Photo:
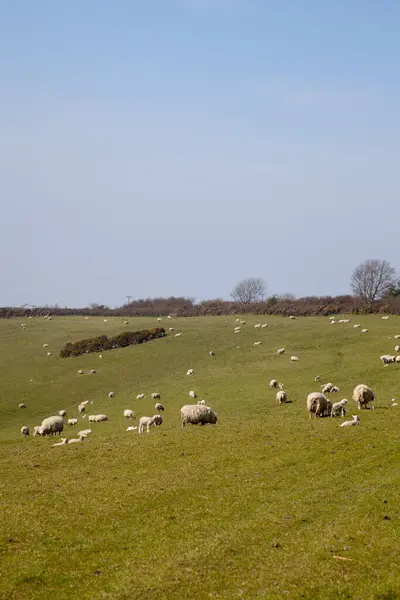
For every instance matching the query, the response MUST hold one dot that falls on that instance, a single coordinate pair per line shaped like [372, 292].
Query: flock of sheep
[318, 405]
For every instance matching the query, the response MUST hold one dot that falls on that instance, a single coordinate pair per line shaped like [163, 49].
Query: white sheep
[329, 388]
[363, 395]
[82, 406]
[169, 317]
[63, 442]
[280, 351]
[357, 325]
[171, 329]
[51, 425]
[339, 408]
[140, 397]
[397, 337]
[72, 422]
[105, 321]
[387, 359]
[264, 325]
[129, 414]
[355, 421]
[192, 394]
[386, 317]
[317, 378]
[178, 335]
[62, 413]
[25, 430]
[243, 322]
[100, 356]
[294, 358]
[364, 330]
[211, 353]
[281, 397]
[273, 383]
[292, 317]
[92, 372]
[21, 405]
[398, 359]
[257, 325]
[45, 345]
[36, 431]
[153, 421]
[131, 428]
[111, 394]
[97, 418]
[126, 322]
[156, 396]
[317, 404]
[84, 432]
[197, 414]
[281, 386]
[256, 343]
[80, 372]
[397, 348]
[49, 353]
[159, 319]
[77, 440]
[201, 402]
[158, 406]
[190, 372]
[333, 322]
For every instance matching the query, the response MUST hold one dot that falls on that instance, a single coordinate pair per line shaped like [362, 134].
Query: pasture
[265, 504]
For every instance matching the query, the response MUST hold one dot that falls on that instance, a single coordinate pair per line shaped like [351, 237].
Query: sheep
[257, 325]
[63, 442]
[317, 378]
[355, 421]
[129, 414]
[397, 348]
[256, 343]
[273, 383]
[156, 396]
[264, 325]
[189, 372]
[357, 325]
[97, 418]
[153, 421]
[398, 359]
[92, 372]
[171, 329]
[86, 318]
[333, 322]
[105, 321]
[292, 317]
[62, 413]
[329, 388]
[80, 372]
[335, 389]
[21, 405]
[72, 422]
[51, 425]
[159, 319]
[363, 395]
[386, 317]
[317, 404]
[49, 353]
[100, 356]
[45, 345]
[140, 397]
[192, 394]
[197, 414]
[111, 394]
[178, 335]
[243, 322]
[84, 432]
[328, 411]
[339, 408]
[281, 397]
[280, 351]
[126, 322]
[211, 353]
[281, 386]
[294, 358]
[36, 431]
[82, 407]
[364, 330]
[397, 337]
[201, 402]
[159, 406]
[169, 317]
[78, 439]
[25, 430]
[131, 428]
[387, 359]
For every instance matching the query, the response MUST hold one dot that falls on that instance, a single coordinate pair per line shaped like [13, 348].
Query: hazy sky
[173, 147]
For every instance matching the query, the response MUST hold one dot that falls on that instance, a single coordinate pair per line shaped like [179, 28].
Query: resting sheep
[329, 388]
[77, 440]
[25, 430]
[97, 418]
[140, 396]
[129, 414]
[131, 428]
[338, 409]
[153, 421]
[92, 372]
[256, 343]
[294, 358]
[85, 432]
[317, 404]
[197, 414]
[192, 394]
[80, 372]
[72, 422]
[111, 394]
[355, 421]
[363, 395]
[63, 442]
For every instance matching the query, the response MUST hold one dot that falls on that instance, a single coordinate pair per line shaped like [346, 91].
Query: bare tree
[373, 279]
[249, 290]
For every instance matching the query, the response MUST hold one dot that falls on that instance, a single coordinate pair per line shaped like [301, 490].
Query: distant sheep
[72, 422]
[156, 396]
[62, 413]
[397, 337]
[257, 325]
[317, 404]
[338, 409]
[387, 359]
[273, 383]
[197, 414]
[171, 329]
[190, 372]
[256, 343]
[92, 372]
[131, 428]
[129, 414]
[100, 356]
[80, 372]
[292, 317]
[386, 317]
[264, 325]
[21, 405]
[317, 378]
[280, 351]
[397, 348]
[211, 353]
[49, 353]
[82, 406]
[85, 432]
[201, 402]
[159, 406]
[398, 359]
[140, 397]
[355, 421]
[178, 335]
[281, 397]
[111, 394]
[329, 388]
[294, 358]
[105, 321]
[363, 395]
[77, 440]
[45, 345]
[149, 422]
[281, 386]
[25, 430]
[356, 326]
[97, 418]
[192, 394]
[364, 330]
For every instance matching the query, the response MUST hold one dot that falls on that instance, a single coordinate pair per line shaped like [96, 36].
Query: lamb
[339, 408]
[364, 330]
[355, 421]
[384, 318]
[317, 378]
[153, 421]
[105, 321]
[97, 418]
[256, 343]
[72, 422]
[197, 414]
[80, 372]
[36, 431]
[45, 345]
[329, 388]
[171, 329]
[126, 322]
[257, 325]
[178, 335]
[85, 432]
[363, 395]
[398, 359]
[25, 430]
[156, 396]
[292, 317]
[49, 353]
[140, 397]
[201, 402]
[62, 413]
[77, 440]
[158, 406]
[281, 397]
[280, 351]
[100, 356]
[189, 372]
[294, 358]
[264, 325]
[129, 414]
[21, 405]
[357, 325]
[281, 386]
[397, 337]
[51, 425]
[82, 406]
[273, 383]
[63, 442]
[111, 394]
[131, 428]
[317, 404]
[192, 394]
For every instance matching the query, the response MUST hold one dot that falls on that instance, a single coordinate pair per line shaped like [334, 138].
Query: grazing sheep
[333, 322]
[257, 325]
[256, 343]
[82, 407]
[397, 337]
[294, 358]
[385, 317]
[92, 371]
[156, 396]
[153, 421]
[355, 421]
[317, 378]
[78, 439]
[363, 395]
[339, 408]
[281, 386]
[25, 430]
[211, 353]
[62, 413]
[189, 372]
[264, 325]
[335, 389]
[281, 397]
[273, 383]
[140, 397]
[111, 394]
[63, 442]
[131, 428]
[317, 404]
[51, 425]
[387, 359]
[129, 414]
[280, 351]
[364, 330]
[192, 394]
[201, 402]
[72, 422]
[100, 356]
[197, 414]
[398, 359]
[169, 317]
[36, 431]
[243, 322]
[329, 388]
[126, 322]
[85, 432]
[21, 405]
[105, 321]
[49, 353]
[397, 348]
[292, 317]
[158, 406]
[357, 325]
[80, 372]
[171, 329]
[97, 418]
[45, 345]
[159, 319]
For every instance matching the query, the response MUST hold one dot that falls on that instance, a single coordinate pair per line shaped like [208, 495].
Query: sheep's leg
[148, 428]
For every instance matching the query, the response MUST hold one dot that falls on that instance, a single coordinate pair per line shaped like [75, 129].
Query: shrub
[102, 343]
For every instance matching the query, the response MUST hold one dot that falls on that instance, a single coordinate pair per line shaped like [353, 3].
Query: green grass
[255, 507]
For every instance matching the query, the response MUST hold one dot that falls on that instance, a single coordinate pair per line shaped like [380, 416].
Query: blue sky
[174, 147]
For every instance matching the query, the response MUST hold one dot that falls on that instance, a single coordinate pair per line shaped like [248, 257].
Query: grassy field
[258, 506]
